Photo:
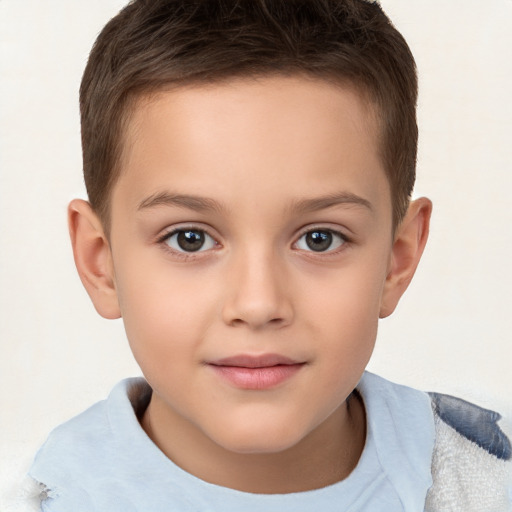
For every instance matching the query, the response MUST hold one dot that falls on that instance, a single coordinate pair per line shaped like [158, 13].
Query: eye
[189, 240]
[321, 240]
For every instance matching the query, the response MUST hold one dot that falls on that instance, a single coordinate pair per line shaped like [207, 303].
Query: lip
[256, 372]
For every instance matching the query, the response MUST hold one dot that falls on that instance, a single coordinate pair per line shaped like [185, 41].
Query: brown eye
[190, 240]
[320, 240]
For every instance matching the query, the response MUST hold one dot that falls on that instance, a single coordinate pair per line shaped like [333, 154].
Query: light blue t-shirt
[102, 460]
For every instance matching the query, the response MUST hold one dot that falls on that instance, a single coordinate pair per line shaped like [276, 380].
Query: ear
[408, 245]
[93, 258]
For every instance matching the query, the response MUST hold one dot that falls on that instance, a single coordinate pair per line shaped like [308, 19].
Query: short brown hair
[154, 44]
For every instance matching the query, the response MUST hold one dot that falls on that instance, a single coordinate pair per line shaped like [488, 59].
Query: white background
[451, 332]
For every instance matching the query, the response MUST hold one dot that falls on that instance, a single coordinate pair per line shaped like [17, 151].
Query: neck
[325, 456]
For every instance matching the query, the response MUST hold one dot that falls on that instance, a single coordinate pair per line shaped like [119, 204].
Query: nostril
[273, 322]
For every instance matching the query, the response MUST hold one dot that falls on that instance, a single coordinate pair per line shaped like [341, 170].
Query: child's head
[249, 162]
[162, 44]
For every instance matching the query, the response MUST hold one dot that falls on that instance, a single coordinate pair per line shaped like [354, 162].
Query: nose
[258, 294]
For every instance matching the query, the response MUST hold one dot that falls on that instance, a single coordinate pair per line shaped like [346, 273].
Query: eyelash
[344, 241]
[188, 255]
[163, 242]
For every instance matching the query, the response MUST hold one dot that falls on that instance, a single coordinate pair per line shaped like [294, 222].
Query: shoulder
[471, 462]
[457, 445]
[68, 464]
[473, 423]
[401, 428]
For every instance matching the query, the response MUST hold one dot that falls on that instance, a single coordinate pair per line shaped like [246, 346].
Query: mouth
[256, 372]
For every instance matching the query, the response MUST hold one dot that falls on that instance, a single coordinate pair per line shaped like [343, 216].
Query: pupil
[190, 240]
[319, 240]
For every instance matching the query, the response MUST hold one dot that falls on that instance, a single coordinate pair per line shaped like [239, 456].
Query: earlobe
[93, 258]
[408, 246]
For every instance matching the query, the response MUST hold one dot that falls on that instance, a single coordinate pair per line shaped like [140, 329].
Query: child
[249, 166]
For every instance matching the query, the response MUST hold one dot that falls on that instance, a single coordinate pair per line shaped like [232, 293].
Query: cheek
[164, 311]
[348, 297]
[345, 309]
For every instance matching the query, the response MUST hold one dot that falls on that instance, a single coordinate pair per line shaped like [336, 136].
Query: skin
[256, 165]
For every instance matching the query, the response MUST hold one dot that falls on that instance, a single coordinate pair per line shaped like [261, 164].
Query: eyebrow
[197, 203]
[205, 204]
[330, 201]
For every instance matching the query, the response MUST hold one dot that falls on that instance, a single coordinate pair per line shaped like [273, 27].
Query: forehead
[246, 137]
[239, 98]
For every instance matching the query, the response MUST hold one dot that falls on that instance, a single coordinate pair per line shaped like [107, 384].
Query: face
[251, 237]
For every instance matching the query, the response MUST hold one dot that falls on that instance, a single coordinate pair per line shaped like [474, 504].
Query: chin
[252, 441]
